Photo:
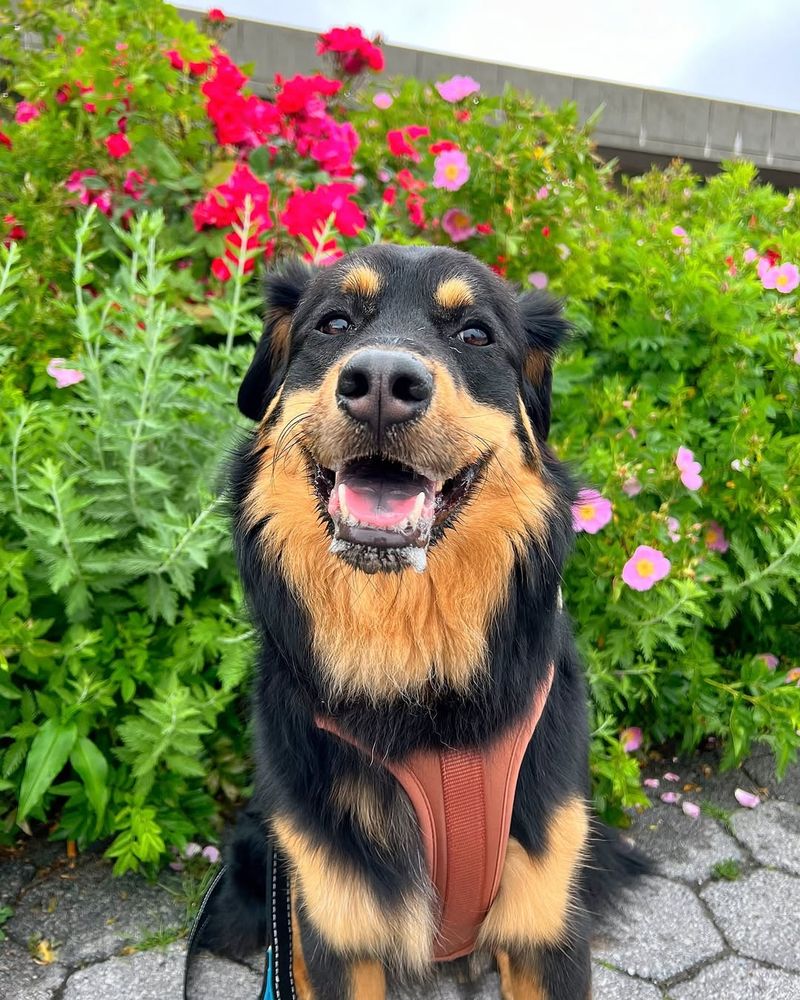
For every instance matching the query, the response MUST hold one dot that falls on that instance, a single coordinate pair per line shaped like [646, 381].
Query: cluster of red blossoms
[352, 52]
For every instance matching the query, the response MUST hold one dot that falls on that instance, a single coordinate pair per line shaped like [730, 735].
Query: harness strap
[463, 800]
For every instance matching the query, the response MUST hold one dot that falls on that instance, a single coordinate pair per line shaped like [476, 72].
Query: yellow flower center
[782, 279]
[587, 511]
[451, 172]
[711, 537]
[645, 567]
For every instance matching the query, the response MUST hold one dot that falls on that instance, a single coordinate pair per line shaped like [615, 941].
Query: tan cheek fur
[392, 634]
[536, 893]
[345, 911]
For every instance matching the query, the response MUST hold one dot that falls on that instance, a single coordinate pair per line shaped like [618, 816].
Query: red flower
[773, 256]
[399, 140]
[224, 205]
[484, 228]
[462, 115]
[176, 59]
[63, 93]
[16, 232]
[545, 231]
[353, 52]
[302, 93]
[118, 145]
[334, 151]
[442, 146]
[198, 68]
[6, 141]
[390, 194]
[215, 14]
[415, 204]
[408, 182]
[307, 213]
[134, 184]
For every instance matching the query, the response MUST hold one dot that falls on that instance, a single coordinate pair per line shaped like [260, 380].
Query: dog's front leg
[562, 973]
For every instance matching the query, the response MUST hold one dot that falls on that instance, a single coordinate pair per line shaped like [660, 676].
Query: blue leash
[278, 982]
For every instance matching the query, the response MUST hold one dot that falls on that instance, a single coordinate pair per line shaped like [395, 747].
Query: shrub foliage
[143, 186]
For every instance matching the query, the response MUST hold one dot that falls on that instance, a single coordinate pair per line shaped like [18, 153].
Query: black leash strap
[278, 983]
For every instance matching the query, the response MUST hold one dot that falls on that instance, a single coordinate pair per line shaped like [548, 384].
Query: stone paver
[87, 915]
[758, 916]
[22, 979]
[609, 984]
[660, 931]
[680, 935]
[771, 833]
[147, 975]
[738, 979]
[681, 847]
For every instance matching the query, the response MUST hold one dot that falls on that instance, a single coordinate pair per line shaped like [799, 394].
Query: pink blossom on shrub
[762, 267]
[590, 512]
[750, 255]
[307, 213]
[211, 854]
[25, 112]
[64, 376]
[542, 193]
[689, 469]
[224, 205]
[793, 676]
[673, 529]
[770, 660]
[538, 279]
[457, 88]
[86, 196]
[715, 537]
[784, 278]
[631, 739]
[632, 487]
[383, 100]
[645, 568]
[458, 225]
[118, 145]
[134, 184]
[400, 140]
[175, 59]
[451, 170]
[678, 231]
[216, 15]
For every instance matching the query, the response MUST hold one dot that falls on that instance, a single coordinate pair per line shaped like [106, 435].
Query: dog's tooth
[345, 510]
[416, 510]
[439, 486]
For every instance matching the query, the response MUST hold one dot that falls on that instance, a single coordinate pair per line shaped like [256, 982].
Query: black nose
[381, 388]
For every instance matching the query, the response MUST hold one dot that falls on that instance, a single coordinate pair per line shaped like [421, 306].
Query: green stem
[25, 414]
[186, 536]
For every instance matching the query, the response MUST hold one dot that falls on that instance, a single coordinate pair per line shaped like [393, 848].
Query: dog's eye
[475, 337]
[333, 325]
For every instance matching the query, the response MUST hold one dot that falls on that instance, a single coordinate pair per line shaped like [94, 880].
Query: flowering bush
[142, 186]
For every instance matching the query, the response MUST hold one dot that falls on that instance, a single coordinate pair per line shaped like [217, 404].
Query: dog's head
[403, 395]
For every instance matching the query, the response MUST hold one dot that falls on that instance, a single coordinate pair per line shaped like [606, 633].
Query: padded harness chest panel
[463, 800]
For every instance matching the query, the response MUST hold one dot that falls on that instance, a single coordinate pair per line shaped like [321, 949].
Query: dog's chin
[385, 515]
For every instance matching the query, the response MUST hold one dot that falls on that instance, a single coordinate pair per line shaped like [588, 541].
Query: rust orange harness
[463, 800]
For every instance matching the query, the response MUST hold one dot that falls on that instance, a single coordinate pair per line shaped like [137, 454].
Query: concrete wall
[639, 126]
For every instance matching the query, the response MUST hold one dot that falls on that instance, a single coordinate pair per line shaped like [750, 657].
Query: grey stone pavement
[718, 922]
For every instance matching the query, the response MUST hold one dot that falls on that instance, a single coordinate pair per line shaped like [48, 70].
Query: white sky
[741, 50]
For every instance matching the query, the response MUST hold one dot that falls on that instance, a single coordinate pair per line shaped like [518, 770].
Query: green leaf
[160, 157]
[48, 754]
[92, 767]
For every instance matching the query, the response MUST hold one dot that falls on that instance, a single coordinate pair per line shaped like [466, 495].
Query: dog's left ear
[283, 290]
[546, 329]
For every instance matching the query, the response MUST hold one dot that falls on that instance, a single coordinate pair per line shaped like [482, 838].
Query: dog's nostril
[411, 388]
[353, 384]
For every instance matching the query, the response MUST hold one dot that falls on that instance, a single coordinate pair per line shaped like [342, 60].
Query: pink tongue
[378, 506]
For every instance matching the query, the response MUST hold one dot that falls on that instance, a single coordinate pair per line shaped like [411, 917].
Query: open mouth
[385, 514]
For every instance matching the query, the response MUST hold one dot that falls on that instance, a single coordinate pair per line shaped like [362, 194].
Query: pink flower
[383, 100]
[746, 799]
[191, 850]
[645, 568]
[118, 145]
[689, 469]
[671, 798]
[458, 225]
[631, 739]
[63, 376]
[542, 193]
[793, 676]
[715, 538]
[25, 112]
[762, 267]
[673, 529]
[590, 512]
[632, 487]
[215, 14]
[691, 809]
[783, 278]
[457, 88]
[134, 184]
[678, 231]
[671, 776]
[451, 170]
[651, 782]
[538, 279]
[750, 255]
[770, 660]
[211, 854]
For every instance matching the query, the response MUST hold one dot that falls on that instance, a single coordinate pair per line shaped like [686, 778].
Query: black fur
[296, 762]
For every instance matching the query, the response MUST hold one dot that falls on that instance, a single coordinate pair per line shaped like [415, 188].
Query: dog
[401, 526]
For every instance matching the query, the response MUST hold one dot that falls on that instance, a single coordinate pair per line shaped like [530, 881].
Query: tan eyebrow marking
[361, 279]
[454, 292]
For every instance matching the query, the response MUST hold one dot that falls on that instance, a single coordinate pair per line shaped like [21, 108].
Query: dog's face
[406, 393]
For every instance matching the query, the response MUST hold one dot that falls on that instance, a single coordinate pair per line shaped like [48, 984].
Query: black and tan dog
[401, 527]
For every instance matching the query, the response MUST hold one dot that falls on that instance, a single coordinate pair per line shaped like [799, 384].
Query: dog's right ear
[283, 289]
